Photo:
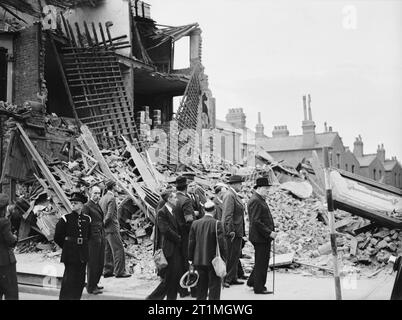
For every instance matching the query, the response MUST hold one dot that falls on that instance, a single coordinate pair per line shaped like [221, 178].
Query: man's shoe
[237, 282]
[263, 292]
[108, 275]
[99, 287]
[226, 285]
[123, 275]
[95, 291]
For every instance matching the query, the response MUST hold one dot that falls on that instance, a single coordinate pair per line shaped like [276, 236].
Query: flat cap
[209, 206]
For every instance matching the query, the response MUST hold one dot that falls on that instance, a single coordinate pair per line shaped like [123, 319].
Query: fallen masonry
[44, 165]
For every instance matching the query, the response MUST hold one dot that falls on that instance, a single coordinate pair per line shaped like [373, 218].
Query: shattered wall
[27, 47]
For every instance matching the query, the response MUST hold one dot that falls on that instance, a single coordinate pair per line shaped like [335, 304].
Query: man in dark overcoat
[184, 214]
[205, 233]
[169, 240]
[233, 224]
[261, 234]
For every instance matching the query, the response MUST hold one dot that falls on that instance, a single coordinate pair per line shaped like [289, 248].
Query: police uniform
[72, 234]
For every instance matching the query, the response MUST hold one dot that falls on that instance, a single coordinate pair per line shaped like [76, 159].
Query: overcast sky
[263, 55]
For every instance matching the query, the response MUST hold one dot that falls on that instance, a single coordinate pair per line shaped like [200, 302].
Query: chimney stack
[325, 127]
[310, 116]
[236, 118]
[358, 147]
[308, 125]
[381, 153]
[259, 128]
[280, 131]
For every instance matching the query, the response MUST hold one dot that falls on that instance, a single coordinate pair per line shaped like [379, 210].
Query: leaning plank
[142, 166]
[318, 169]
[93, 147]
[44, 169]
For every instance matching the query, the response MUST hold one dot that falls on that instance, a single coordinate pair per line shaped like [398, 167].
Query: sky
[264, 55]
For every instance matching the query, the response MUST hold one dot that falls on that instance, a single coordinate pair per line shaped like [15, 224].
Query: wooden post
[331, 217]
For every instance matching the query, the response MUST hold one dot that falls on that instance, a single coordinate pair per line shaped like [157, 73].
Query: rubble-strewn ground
[300, 230]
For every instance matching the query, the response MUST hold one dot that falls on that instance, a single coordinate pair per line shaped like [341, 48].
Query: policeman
[72, 234]
[8, 272]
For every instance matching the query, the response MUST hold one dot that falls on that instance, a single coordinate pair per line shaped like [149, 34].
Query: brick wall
[27, 73]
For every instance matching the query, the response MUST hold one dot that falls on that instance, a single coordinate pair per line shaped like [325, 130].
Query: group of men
[189, 237]
[91, 241]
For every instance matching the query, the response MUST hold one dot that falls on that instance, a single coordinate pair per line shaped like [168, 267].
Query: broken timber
[141, 165]
[93, 147]
[45, 170]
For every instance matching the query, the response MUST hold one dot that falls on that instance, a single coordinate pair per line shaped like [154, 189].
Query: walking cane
[273, 270]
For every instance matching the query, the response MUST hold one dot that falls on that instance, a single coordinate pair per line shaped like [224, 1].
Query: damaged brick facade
[28, 66]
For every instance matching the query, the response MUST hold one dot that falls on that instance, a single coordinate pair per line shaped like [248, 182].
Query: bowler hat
[110, 183]
[181, 181]
[189, 175]
[4, 199]
[79, 197]
[262, 182]
[235, 179]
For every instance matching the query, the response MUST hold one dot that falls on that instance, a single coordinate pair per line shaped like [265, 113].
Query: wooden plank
[365, 228]
[95, 34]
[343, 222]
[90, 42]
[107, 78]
[93, 83]
[282, 259]
[318, 169]
[314, 266]
[45, 170]
[91, 143]
[353, 246]
[142, 166]
[97, 99]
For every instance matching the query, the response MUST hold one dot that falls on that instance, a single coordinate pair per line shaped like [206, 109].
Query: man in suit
[72, 235]
[233, 224]
[195, 200]
[96, 242]
[170, 241]
[205, 233]
[261, 233]
[220, 189]
[8, 271]
[115, 262]
[184, 214]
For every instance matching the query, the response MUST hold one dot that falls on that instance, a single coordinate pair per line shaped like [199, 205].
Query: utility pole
[331, 217]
